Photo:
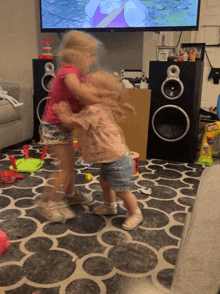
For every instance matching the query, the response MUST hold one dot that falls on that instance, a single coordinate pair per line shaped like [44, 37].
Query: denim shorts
[51, 134]
[118, 174]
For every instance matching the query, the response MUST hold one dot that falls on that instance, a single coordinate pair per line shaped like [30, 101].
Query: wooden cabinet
[135, 128]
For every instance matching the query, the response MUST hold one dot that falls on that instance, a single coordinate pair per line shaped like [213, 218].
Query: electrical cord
[208, 59]
[179, 39]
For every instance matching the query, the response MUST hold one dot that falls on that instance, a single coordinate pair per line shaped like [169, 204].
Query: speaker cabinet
[174, 113]
[43, 72]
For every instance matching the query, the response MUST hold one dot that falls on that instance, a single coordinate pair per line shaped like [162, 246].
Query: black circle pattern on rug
[91, 253]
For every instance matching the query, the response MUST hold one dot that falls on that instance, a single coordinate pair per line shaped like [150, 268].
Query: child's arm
[87, 94]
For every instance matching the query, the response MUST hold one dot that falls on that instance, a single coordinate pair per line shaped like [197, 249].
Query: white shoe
[132, 220]
[78, 198]
[105, 209]
[64, 210]
[49, 210]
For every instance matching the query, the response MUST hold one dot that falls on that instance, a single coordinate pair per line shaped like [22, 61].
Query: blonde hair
[105, 80]
[76, 47]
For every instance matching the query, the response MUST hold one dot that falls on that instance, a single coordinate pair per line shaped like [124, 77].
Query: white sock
[111, 204]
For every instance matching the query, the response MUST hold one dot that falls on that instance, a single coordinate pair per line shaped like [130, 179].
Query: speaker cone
[48, 76]
[172, 88]
[46, 81]
[170, 123]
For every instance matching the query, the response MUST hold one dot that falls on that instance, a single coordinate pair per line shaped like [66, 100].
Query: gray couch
[16, 124]
[198, 263]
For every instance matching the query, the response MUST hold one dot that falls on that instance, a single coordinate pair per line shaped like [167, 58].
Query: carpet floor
[92, 254]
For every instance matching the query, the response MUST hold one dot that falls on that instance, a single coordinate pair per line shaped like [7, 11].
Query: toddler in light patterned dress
[102, 141]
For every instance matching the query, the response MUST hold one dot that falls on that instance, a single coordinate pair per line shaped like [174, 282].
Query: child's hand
[128, 107]
[123, 111]
[62, 107]
[108, 102]
[63, 112]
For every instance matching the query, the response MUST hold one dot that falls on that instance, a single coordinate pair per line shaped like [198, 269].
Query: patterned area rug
[92, 254]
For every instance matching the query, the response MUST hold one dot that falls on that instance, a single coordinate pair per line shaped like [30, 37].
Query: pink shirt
[59, 92]
[100, 139]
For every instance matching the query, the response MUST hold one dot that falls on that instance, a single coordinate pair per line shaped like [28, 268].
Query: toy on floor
[145, 191]
[4, 243]
[27, 164]
[211, 131]
[88, 176]
[75, 145]
[81, 162]
[10, 176]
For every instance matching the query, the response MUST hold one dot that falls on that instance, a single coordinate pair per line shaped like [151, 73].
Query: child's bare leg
[72, 196]
[65, 178]
[108, 194]
[134, 217]
[129, 199]
[71, 156]
[110, 206]
[52, 207]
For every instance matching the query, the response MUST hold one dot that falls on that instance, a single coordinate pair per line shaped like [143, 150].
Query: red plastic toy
[9, 176]
[4, 243]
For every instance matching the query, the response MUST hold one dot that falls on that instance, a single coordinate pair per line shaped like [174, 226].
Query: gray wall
[123, 50]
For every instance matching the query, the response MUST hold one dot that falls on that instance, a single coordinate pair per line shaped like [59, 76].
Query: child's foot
[64, 210]
[78, 198]
[105, 209]
[132, 220]
[49, 210]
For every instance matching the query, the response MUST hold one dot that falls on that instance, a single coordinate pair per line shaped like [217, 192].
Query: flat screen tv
[119, 15]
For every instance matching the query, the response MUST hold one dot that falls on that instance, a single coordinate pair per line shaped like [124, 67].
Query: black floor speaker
[43, 73]
[174, 113]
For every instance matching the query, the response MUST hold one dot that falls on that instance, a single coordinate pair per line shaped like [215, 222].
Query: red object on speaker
[4, 243]
[44, 57]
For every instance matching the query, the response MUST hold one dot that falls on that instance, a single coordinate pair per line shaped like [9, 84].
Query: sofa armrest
[12, 88]
[19, 128]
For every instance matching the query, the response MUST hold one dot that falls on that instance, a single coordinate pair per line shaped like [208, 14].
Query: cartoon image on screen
[110, 13]
[118, 13]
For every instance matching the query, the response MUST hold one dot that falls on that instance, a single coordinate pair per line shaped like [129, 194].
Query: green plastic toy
[27, 164]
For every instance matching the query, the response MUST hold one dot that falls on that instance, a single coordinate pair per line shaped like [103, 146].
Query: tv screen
[119, 15]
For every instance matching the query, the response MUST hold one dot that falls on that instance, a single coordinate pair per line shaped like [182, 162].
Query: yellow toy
[88, 176]
[211, 131]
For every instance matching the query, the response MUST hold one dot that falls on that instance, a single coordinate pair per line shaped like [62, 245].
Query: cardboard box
[135, 128]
